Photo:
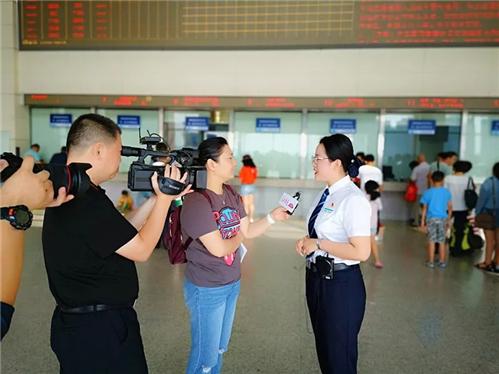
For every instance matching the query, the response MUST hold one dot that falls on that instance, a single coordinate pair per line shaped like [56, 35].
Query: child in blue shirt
[437, 210]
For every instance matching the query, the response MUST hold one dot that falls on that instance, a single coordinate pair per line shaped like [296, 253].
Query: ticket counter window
[363, 131]
[404, 141]
[272, 139]
[481, 141]
[129, 121]
[50, 127]
[178, 134]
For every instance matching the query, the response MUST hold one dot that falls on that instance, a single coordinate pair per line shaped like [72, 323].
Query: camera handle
[170, 186]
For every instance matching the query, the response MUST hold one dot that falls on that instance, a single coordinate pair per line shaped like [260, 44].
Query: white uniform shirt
[346, 213]
[370, 173]
[376, 207]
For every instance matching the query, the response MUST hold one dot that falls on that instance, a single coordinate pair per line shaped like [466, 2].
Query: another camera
[73, 177]
[186, 159]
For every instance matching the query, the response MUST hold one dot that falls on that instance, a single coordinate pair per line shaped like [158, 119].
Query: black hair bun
[353, 168]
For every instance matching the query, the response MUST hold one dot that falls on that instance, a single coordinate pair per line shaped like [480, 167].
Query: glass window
[176, 133]
[277, 155]
[364, 140]
[480, 145]
[50, 137]
[401, 147]
[130, 136]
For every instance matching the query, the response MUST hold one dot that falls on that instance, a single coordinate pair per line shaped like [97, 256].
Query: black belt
[92, 308]
[325, 267]
[337, 267]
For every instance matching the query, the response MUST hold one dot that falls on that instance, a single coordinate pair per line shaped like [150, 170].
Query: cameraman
[33, 191]
[89, 250]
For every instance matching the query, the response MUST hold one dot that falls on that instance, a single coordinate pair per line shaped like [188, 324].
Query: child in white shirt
[373, 195]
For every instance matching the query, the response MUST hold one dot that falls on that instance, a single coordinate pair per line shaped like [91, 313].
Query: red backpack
[411, 192]
[173, 239]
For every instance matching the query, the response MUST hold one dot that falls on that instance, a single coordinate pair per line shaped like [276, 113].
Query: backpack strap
[205, 194]
[231, 190]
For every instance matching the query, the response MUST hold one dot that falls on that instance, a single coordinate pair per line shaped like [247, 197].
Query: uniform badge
[329, 208]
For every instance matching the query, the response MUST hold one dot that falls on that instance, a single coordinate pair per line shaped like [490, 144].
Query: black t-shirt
[79, 243]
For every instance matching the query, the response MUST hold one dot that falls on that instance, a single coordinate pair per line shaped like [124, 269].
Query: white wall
[14, 122]
[346, 72]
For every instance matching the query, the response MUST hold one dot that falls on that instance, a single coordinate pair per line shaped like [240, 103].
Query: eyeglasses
[316, 158]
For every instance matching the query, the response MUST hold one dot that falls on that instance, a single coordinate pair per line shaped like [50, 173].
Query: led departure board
[266, 103]
[250, 24]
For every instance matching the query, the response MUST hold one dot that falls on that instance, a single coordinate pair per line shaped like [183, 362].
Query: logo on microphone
[289, 202]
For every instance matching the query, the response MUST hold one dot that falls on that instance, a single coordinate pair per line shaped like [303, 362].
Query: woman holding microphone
[338, 239]
[216, 222]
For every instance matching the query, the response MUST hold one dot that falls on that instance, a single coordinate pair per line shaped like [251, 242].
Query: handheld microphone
[289, 202]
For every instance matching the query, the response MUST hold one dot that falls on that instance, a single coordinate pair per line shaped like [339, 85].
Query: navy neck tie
[315, 213]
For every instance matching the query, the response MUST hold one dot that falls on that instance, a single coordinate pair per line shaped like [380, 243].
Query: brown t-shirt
[198, 218]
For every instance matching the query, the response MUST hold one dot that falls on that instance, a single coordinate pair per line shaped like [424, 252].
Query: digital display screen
[238, 24]
[265, 103]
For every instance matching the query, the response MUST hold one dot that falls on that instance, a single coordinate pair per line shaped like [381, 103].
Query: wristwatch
[18, 216]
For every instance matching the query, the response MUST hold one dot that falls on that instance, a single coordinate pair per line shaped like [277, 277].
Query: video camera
[73, 177]
[186, 159]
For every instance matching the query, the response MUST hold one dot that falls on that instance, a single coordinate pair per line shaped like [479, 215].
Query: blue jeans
[211, 311]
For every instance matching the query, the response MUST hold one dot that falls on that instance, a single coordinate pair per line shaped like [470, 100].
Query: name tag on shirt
[328, 208]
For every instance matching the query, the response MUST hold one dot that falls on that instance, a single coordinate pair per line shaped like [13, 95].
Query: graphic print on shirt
[228, 223]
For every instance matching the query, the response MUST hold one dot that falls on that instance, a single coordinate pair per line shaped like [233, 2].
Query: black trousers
[99, 342]
[460, 221]
[6, 313]
[336, 310]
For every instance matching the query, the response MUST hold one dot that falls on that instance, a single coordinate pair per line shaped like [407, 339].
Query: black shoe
[494, 270]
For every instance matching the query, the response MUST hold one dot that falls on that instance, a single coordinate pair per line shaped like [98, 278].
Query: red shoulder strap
[206, 195]
[231, 190]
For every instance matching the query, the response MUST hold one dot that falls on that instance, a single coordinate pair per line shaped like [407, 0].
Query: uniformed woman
[338, 238]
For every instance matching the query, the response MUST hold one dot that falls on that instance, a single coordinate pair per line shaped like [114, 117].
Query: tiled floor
[418, 320]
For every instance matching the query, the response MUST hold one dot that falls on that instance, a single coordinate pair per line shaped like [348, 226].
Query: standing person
[435, 218]
[488, 202]
[419, 176]
[216, 222]
[443, 163]
[339, 232]
[457, 184]
[89, 250]
[360, 156]
[34, 151]
[374, 198]
[370, 172]
[59, 158]
[247, 175]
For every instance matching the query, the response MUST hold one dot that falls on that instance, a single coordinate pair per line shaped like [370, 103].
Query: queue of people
[446, 193]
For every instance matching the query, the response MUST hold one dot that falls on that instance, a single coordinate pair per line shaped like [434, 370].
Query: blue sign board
[129, 122]
[61, 120]
[268, 125]
[343, 126]
[422, 127]
[495, 127]
[197, 123]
